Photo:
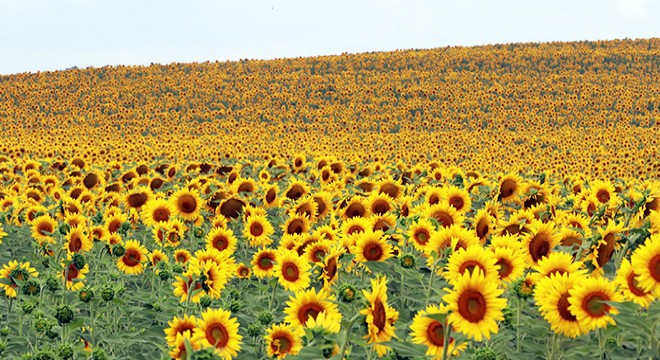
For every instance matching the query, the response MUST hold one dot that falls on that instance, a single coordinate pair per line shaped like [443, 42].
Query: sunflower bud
[265, 318]
[31, 287]
[27, 307]
[65, 351]
[347, 293]
[79, 261]
[235, 306]
[64, 314]
[64, 229]
[204, 354]
[86, 294]
[99, 354]
[485, 354]
[53, 284]
[205, 301]
[198, 233]
[4, 331]
[407, 261]
[522, 289]
[108, 293]
[254, 330]
[118, 250]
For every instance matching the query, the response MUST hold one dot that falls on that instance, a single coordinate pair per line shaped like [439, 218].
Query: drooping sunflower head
[483, 225]
[646, 262]
[603, 250]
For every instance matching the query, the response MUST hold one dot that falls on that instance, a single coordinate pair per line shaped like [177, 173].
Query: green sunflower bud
[79, 261]
[65, 351]
[265, 317]
[118, 250]
[407, 261]
[86, 294]
[254, 330]
[347, 293]
[64, 314]
[31, 287]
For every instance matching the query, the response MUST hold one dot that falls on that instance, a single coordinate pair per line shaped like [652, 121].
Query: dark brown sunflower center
[594, 304]
[472, 305]
[309, 310]
[603, 196]
[444, 218]
[220, 243]
[482, 228]
[505, 267]
[456, 202]
[435, 334]
[317, 255]
[539, 247]
[90, 180]
[75, 244]
[270, 196]
[469, 266]
[379, 315]
[507, 188]
[290, 272]
[265, 263]
[355, 229]
[281, 344]
[256, 229]
[44, 227]
[380, 207]
[187, 204]
[217, 335]
[373, 252]
[131, 258]
[114, 225]
[633, 285]
[295, 192]
[562, 308]
[654, 268]
[137, 200]
[161, 215]
[606, 250]
[331, 268]
[422, 236]
[355, 210]
[390, 189]
[295, 227]
[72, 272]
[434, 199]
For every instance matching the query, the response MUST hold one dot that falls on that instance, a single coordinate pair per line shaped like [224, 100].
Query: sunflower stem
[403, 299]
[272, 297]
[518, 315]
[344, 345]
[601, 344]
[446, 340]
[428, 291]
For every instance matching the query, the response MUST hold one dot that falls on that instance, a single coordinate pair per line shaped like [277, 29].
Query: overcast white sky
[57, 34]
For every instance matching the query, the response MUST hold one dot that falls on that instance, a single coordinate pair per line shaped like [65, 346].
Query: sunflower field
[493, 202]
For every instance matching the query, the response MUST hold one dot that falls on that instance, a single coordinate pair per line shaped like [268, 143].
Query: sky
[40, 35]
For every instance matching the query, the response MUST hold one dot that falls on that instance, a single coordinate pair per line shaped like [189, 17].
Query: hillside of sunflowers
[491, 202]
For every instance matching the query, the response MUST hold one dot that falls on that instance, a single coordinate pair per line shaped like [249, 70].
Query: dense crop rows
[488, 203]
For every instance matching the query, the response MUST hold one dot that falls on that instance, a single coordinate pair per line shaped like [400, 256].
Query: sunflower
[379, 316]
[270, 198]
[221, 239]
[433, 195]
[510, 187]
[558, 263]
[297, 189]
[325, 322]
[518, 223]
[114, 221]
[444, 214]
[420, 234]
[316, 251]
[308, 304]
[243, 271]
[391, 187]
[133, 260]
[77, 240]
[157, 256]
[187, 204]
[380, 203]
[510, 263]
[453, 237]
[604, 192]
[42, 228]
[382, 222]
[646, 262]
[602, 251]
[263, 263]
[177, 325]
[331, 265]
[283, 340]
[218, 330]
[73, 275]
[351, 227]
[156, 211]
[135, 199]
[483, 225]
[355, 207]
[431, 332]
[257, 230]
[15, 273]
[551, 295]
[323, 200]
[507, 241]
[74, 220]
[247, 186]
[372, 246]
[208, 275]
[296, 224]
[473, 258]
[626, 279]
[306, 206]
[179, 349]
[292, 271]
[475, 305]
[457, 198]
[588, 300]
[182, 256]
[540, 241]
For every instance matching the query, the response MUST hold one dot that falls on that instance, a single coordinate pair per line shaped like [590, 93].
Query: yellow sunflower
[540, 241]
[134, 259]
[187, 204]
[42, 228]
[646, 262]
[558, 263]
[510, 186]
[263, 263]
[283, 340]
[457, 198]
[73, 275]
[510, 263]
[296, 224]
[453, 237]
[372, 246]
[177, 325]
[588, 300]
[257, 230]
[445, 214]
[156, 211]
[379, 316]
[218, 330]
[308, 304]
[420, 232]
[77, 240]
[473, 258]
[13, 272]
[2, 233]
[551, 295]
[431, 332]
[292, 270]
[221, 239]
[626, 279]
[178, 348]
[243, 271]
[475, 305]
[483, 225]
[603, 250]
[157, 256]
